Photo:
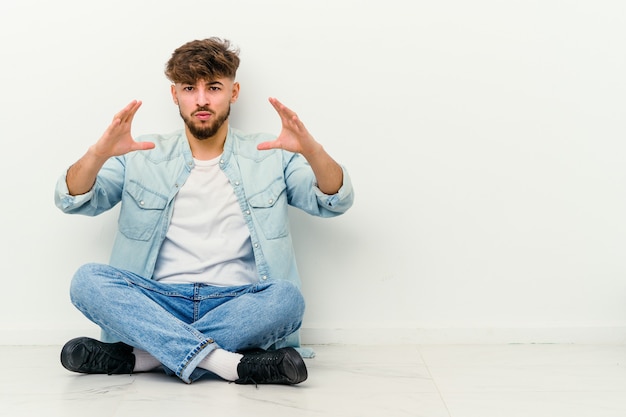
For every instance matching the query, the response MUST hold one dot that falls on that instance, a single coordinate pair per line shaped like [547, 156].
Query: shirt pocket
[269, 208]
[140, 212]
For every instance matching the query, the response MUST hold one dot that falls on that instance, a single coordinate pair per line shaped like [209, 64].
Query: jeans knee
[290, 298]
[84, 282]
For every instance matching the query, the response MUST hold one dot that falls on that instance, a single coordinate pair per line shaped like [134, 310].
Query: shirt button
[237, 183]
[141, 203]
[256, 245]
[271, 201]
[222, 161]
[264, 278]
[248, 212]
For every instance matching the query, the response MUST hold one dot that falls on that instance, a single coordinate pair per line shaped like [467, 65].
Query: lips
[202, 115]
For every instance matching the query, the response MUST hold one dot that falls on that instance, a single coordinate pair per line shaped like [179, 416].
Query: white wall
[486, 140]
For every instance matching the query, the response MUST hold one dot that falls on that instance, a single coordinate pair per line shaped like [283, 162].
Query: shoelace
[262, 368]
[104, 359]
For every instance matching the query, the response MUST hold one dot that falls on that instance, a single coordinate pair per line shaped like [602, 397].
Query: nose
[202, 97]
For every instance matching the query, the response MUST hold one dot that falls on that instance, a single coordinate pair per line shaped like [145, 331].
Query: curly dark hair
[205, 59]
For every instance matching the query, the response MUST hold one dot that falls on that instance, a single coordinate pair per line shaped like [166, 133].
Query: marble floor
[360, 381]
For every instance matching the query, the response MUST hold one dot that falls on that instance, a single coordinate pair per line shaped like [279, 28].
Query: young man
[202, 276]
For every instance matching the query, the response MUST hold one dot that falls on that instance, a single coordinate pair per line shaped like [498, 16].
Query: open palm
[117, 138]
[293, 137]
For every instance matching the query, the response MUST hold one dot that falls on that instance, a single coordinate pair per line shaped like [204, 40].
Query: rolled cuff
[342, 199]
[64, 200]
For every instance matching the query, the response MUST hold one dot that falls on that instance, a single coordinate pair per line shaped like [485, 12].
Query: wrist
[313, 152]
[95, 155]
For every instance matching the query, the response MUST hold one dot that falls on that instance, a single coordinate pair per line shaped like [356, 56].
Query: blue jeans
[180, 324]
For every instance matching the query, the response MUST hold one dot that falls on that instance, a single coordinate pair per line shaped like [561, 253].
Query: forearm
[81, 176]
[328, 173]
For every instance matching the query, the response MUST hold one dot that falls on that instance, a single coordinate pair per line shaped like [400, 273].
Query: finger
[288, 117]
[120, 114]
[281, 108]
[143, 146]
[263, 146]
[275, 102]
[283, 111]
[112, 128]
[298, 125]
[133, 111]
[127, 113]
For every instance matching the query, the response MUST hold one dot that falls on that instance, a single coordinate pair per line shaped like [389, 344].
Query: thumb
[143, 146]
[263, 146]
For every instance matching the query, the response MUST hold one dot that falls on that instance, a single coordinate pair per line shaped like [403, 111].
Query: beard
[202, 131]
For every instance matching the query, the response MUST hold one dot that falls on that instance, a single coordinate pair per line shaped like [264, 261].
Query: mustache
[204, 109]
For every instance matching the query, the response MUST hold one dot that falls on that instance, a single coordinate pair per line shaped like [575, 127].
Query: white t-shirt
[208, 240]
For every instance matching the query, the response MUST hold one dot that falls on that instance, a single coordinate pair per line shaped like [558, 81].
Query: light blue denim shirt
[264, 182]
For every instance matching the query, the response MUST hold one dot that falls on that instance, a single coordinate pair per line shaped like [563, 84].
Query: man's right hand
[117, 139]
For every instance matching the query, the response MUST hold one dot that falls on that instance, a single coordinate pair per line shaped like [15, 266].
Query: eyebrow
[207, 83]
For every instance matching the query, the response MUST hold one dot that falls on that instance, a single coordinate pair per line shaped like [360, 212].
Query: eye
[188, 88]
[214, 88]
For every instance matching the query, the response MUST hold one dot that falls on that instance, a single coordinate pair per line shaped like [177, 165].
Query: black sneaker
[90, 356]
[282, 366]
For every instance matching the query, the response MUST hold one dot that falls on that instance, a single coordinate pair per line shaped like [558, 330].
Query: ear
[235, 94]
[174, 96]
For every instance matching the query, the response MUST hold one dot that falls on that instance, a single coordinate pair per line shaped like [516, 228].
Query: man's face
[205, 105]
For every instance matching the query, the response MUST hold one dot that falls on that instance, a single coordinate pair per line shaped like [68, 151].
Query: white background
[485, 140]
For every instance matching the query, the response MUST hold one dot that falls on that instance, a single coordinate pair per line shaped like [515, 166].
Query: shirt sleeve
[64, 200]
[105, 193]
[342, 199]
